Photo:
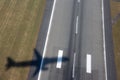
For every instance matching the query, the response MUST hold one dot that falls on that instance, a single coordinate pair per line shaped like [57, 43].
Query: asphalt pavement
[111, 69]
[95, 39]
[91, 41]
[58, 39]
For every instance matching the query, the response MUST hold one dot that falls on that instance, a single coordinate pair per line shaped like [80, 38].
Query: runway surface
[75, 41]
[58, 39]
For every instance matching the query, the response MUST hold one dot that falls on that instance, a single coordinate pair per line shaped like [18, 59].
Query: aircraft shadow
[35, 62]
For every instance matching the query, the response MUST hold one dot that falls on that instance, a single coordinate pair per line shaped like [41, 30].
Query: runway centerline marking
[78, 1]
[46, 41]
[59, 60]
[76, 31]
[73, 72]
[104, 46]
[88, 63]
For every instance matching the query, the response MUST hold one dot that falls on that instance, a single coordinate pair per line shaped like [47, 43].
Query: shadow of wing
[37, 55]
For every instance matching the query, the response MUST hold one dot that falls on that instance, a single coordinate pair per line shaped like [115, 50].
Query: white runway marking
[46, 42]
[104, 46]
[77, 25]
[88, 63]
[59, 60]
[78, 1]
[73, 73]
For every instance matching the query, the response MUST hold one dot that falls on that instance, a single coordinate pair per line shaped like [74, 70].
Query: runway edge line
[104, 46]
[46, 42]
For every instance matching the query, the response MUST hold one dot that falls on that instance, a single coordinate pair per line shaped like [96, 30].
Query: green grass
[19, 25]
[115, 10]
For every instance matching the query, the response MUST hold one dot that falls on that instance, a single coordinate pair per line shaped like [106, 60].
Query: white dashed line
[76, 31]
[73, 72]
[78, 1]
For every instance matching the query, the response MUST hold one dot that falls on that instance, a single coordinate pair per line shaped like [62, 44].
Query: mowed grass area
[115, 10]
[19, 26]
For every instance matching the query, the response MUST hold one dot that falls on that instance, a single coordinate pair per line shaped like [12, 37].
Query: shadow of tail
[10, 63]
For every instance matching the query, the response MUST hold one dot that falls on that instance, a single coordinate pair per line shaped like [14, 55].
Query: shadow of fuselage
[35, 62]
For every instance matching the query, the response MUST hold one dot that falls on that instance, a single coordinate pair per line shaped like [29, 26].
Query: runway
[76, 36]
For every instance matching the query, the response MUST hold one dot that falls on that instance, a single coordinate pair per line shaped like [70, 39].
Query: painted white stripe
[104, 46]
[46, 42]
[78, 1]
[59, 60]
[77, 25]
[88, 63]
[73, 72]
